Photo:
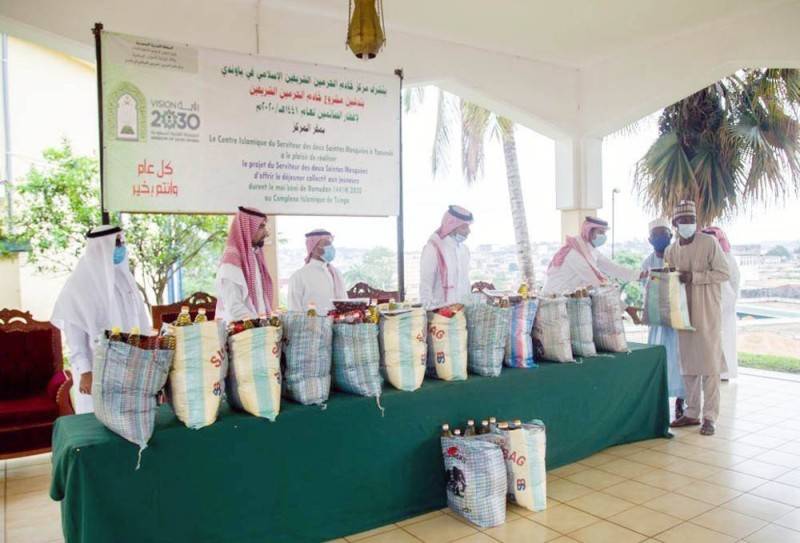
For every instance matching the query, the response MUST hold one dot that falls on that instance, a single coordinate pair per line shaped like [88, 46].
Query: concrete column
[579, 181]
[10, 292]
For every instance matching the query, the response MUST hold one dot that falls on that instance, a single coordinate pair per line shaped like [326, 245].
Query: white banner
[191, 130]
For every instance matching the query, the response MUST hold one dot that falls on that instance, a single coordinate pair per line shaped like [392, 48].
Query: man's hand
[685, 277]
[633, 313]
[85, 385]
[644, 275]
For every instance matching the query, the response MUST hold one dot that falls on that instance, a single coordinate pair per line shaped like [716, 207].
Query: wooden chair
[480, 286]
[363, 290]
[170, 312]
[34, 387]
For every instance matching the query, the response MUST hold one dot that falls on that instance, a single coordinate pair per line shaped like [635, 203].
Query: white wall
[9, 281]
[51, 96]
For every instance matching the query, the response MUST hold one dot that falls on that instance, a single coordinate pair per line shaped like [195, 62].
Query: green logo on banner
[126, 114]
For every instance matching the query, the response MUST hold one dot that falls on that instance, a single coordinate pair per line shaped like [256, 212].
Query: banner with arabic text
[192, 130]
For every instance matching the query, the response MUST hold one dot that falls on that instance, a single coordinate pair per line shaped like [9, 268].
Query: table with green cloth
[317, 474]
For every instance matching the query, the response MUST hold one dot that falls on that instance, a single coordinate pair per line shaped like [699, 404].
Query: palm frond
[447, 107]
[413, 97]
[664, 176]
[475, 128]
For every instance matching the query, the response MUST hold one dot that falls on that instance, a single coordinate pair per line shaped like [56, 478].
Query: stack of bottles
[353, 312]
[185, 318]
[263, 320]
[135, 338]
[487, 426]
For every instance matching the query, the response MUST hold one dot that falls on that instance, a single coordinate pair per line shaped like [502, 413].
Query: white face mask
[460, 238]
[687, 230]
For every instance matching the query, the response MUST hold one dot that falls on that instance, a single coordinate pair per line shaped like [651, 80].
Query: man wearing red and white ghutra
[579, 264]
[444, 265]
[243, 281]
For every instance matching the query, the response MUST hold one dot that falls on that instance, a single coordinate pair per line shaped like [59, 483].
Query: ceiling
[573, 33]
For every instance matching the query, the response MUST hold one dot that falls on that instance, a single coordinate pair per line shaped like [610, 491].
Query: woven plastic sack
[551, 339]
[307, 378]
[476, 479]
[519, 345]
[665, 301]
[447, 346]
[197, 376]
[404, 348]
[254, 382]
[581, 332]
[487, 334]
[609, 331]
[125, 383]
[357, 359]
[524, 452]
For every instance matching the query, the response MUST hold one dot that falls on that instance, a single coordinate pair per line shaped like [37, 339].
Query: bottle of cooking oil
[135, 337]
[184, 318]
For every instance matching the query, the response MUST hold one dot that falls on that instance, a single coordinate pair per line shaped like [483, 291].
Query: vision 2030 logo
[126, 113]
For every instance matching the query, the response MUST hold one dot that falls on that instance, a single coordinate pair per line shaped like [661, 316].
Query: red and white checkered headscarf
[722, 238]
[581, 245]
[453, 218]
[239, 252]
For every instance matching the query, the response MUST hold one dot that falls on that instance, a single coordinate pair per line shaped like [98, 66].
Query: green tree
[632, 293]
[478, 127]
[728, 146]
[781, 251]
[378, 268]
[60, 202]
[160, 244]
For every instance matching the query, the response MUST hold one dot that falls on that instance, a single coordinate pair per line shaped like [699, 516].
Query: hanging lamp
[365, 31]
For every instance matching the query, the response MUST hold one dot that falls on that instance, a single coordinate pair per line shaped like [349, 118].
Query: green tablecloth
[315, 475]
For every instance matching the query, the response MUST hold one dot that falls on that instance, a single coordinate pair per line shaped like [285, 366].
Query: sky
[426, 197]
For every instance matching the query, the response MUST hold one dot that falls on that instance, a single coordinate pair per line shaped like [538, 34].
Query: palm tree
[727, 147]
[479, 126]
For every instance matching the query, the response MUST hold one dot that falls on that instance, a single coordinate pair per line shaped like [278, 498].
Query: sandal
[685, 421]
[708, 428]
[678, 408]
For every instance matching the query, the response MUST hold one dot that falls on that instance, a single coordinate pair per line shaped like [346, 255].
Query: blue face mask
[660, 242]
[460, 238]
[329, 253]
[119, 254]
[599, 240]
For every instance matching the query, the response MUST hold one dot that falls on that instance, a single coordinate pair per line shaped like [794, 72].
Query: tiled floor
[741, 485]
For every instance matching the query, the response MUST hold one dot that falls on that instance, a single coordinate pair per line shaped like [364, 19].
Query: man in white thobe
[318, 282]
[444, 265]
[730, 295]
[243, 281]
[99, 295]
[578, 264]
